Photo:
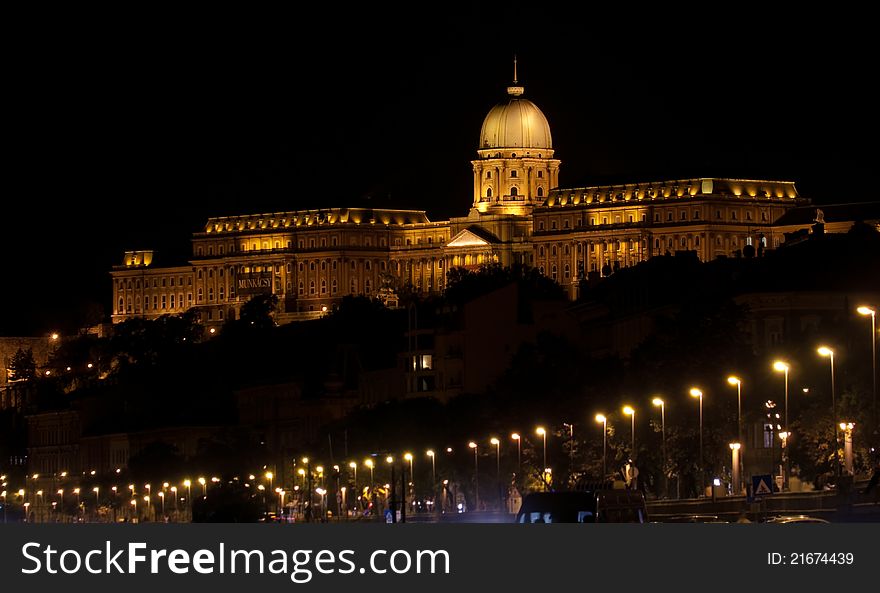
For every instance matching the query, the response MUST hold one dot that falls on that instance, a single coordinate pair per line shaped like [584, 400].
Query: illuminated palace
[311, 259]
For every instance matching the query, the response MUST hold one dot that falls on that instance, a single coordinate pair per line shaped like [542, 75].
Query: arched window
[553, 272]
[566, 271]
[367, 286]
[312, 287]
[121, 307]
[541, 251]
[488, 174]
[553, 251]
[333, 286]
[488, 192]
[514, 191]
[323, 287]
[540, 192]
[311, 266]
[300, 288]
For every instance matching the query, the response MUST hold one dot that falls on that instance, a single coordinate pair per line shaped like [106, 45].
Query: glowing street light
[738, 382]
[847, 428]
[473, 446]
[734, 464]
[783, 367]
[204, 486]
[497, 443]
[354, 467]
[601, 419]
[543, 433]
[515, 436]
[659, 402]
[872, 311]
[430, 453]
[826, 351]
[188, 485]
[629, 411]
[695, 392]
[369, 463]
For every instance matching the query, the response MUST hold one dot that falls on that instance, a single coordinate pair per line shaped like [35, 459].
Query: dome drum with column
[516, 169]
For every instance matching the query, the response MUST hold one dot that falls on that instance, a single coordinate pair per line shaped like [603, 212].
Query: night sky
[128, 134]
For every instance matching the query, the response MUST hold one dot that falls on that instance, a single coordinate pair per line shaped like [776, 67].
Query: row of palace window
[514, 192]
[334, 287]
[334, 242]
[670, 216]
[165, 282]
[514, 174]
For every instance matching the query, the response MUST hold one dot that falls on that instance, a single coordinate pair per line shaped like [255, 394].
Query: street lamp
[430, 453]
[354, 466]
[515, 436]
[161, 496]
[847, 428]
[369, 463]
[872, 311]
[188, 485]
[734, 464]
[497, 443]
[783, 367]
[543, 433]
[600, 418]
[695, 392]
[632, 413]
[204, 487]
[659, 402]
[473, 446]
[826, 351]
[738, 382]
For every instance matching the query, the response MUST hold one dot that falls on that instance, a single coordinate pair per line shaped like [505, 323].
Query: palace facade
[311, 259]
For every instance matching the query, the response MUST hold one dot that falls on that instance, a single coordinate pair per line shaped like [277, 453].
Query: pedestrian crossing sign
[761, 485]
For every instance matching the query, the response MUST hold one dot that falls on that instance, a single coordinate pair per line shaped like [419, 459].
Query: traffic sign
[762, 485]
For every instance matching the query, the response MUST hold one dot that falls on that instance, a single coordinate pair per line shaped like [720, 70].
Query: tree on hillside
[22, 366]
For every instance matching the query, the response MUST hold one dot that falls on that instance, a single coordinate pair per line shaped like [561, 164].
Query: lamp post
[543, 433]
[515, 436]
[695, 392]
[629, 411]
[739, 426]
[430, 453]
[188, 485]
[847, 428]
[783, 367]
[826, 351]
[161, 495]
[601, 419]
[734, 464]
[473, 446]
[204, 487]
[369, 463]
[659, 402]
[497, 443]
[412, 479]
[354, 467]
[872, 311]
[3, 495]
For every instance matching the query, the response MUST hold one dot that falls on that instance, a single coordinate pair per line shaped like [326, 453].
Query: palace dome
[515, 123]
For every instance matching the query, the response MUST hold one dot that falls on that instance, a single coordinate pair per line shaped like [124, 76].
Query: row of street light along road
[305, 496]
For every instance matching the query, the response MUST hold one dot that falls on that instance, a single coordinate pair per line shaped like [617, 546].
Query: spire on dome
[515, 90]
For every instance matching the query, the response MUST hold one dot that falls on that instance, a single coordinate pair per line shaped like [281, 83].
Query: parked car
[692, 519]
[592, 506]
[795, 519]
